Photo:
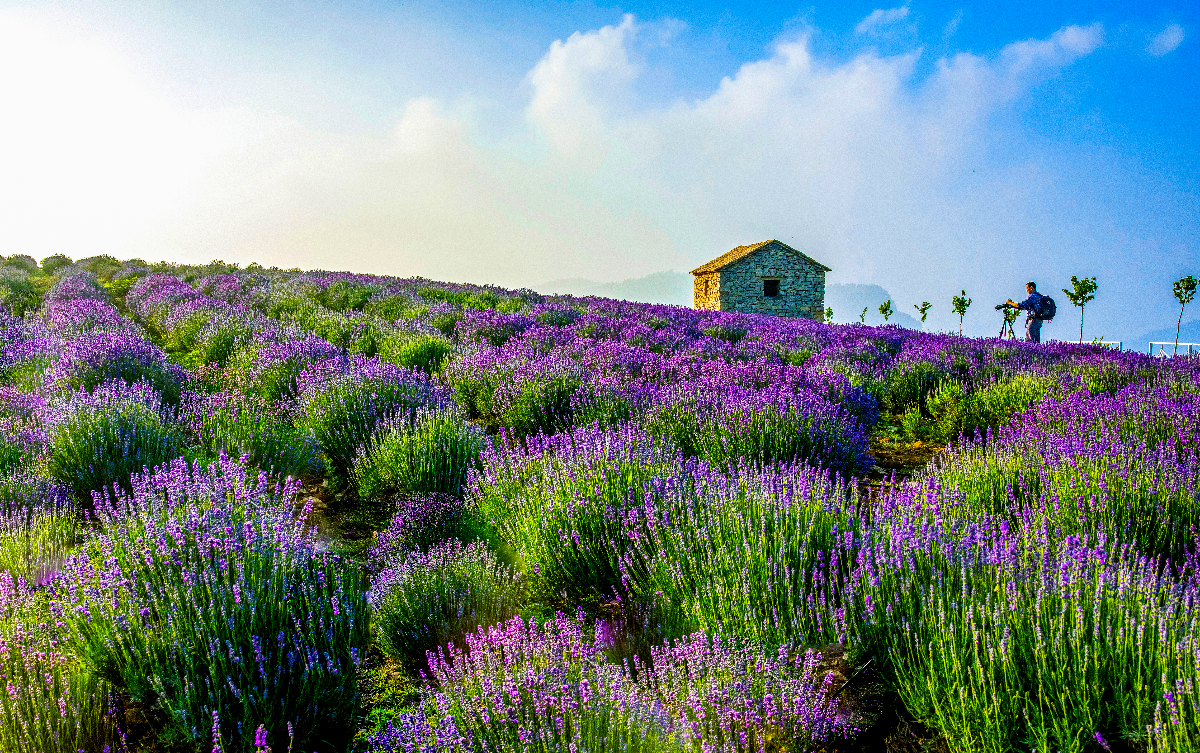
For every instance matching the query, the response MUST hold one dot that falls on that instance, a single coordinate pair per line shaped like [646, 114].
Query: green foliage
[344, 413]
[36, 534]
[909, 385]
[184, 337]
[960, 304]
[715, 556]
[1081, 293]
[862, 316]
[431, 599]
[51, 264]
[555, 511]
[28, 375]
[923, 309]
[1129, 499]
[19, 294]
[796, 357]
[1185, 290]
[509, 306]
[542, 402]
[250, 429]
[103, 266]
[728, 437]
[828, 314]
[219, 344]
[95, 447]
[344, 295]
[445, 323]
[419, 351]
[390, 308]
[52, 704]
[23, 262]
[885, 310]
[956, 412]
[727, 331]
[293, 306]
[565, 317]
[429, 455]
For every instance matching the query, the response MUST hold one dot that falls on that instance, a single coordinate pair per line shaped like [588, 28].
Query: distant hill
[661, 287]
[675, 288]
[849, 299]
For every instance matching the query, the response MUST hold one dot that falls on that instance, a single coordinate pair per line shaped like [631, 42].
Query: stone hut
[763, 278]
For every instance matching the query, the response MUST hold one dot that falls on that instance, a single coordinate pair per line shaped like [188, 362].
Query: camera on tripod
[1006, 326]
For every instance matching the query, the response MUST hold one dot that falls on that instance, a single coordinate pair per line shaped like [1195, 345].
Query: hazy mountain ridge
[846, 299]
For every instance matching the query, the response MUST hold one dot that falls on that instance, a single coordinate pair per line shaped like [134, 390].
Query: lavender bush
[344, 401]
[524, 688]
[429, 453]
[426, 600]
[50, 705]
[103, 438]
[203, 594]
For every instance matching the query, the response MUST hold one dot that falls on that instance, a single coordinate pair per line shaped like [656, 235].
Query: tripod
[1006, 326]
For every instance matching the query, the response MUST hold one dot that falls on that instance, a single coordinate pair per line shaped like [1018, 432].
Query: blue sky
[925, 147]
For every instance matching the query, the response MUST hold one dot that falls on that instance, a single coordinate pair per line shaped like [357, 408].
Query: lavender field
[252, 509]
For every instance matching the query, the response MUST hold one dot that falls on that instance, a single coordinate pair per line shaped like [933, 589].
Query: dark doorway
[771, 288]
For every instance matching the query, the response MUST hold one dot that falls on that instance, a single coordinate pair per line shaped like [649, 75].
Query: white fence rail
[1169, 349]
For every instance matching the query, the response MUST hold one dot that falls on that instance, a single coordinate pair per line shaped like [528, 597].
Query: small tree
[828, 314]
[923, 309]
[1185, 291]
[885, 309]
[862, 317]
[1083, 292]
[961, 304]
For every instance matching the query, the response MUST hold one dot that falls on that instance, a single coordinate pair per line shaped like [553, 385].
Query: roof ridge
[741, 252]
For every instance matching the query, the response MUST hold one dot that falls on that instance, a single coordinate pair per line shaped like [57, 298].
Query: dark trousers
[1033, 330]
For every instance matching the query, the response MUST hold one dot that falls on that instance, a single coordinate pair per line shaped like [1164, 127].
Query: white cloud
[1166, 41]
[951, 27]
[574, 83]
[880, 18]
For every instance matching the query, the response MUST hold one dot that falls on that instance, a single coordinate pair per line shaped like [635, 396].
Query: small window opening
[771, 288]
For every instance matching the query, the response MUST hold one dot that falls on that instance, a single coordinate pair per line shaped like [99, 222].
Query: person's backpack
[1047, 309]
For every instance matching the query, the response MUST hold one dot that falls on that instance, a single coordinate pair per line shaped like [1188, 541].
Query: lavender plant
[430, 453]
[202, 596]
[419, 522]
[104, 438]
[344, 401]
[558, 501]
[426, 600]
[51, 704]
[246, 427]
[524, 688]
[756, 554]
[763, 428]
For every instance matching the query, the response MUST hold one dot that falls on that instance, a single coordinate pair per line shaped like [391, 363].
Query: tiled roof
[741, 252]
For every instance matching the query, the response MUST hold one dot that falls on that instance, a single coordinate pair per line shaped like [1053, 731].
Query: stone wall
[801, 285]
[707, 291]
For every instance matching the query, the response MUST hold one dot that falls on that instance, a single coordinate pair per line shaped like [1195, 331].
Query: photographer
[1032, 304]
